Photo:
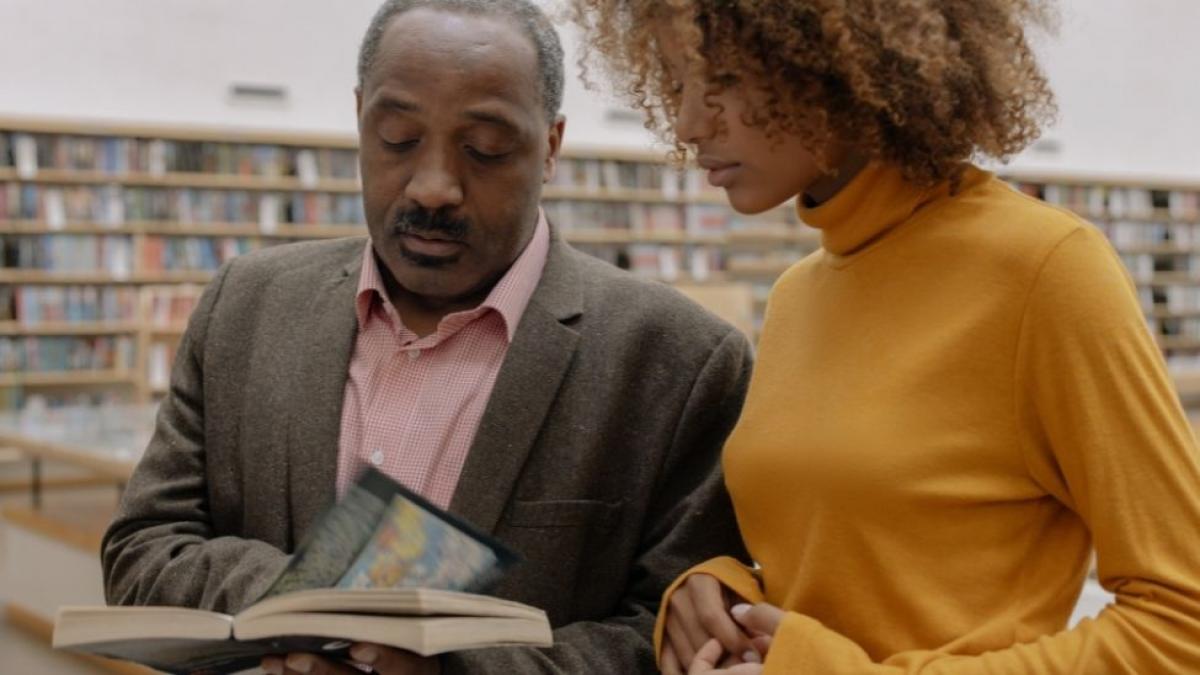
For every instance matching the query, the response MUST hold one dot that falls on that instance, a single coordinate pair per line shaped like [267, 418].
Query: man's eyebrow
[397, 104]
[497, 119]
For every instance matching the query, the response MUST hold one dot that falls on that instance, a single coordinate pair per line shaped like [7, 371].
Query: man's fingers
[684, 609]
[388, 660]
[670, 662]
[308, 664]
[680, 640]
[708, 601]
[707, 658]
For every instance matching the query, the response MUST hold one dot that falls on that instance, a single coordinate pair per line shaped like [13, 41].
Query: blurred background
[145, 142]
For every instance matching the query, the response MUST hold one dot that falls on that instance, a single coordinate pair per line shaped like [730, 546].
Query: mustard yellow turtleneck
[954, 401]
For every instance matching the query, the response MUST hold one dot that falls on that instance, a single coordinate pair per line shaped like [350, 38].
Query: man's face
[454, 148]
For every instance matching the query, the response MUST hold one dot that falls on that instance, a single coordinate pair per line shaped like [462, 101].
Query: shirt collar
[508, 298]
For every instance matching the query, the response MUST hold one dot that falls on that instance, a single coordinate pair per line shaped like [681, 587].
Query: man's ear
[554, 138]
[358, 106]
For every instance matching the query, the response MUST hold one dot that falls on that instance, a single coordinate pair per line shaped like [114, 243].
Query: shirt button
[413, 354]
[377, 457]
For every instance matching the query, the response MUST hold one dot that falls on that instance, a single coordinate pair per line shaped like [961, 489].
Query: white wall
[1123, 69]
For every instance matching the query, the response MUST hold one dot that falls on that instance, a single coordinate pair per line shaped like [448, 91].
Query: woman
[956, 399]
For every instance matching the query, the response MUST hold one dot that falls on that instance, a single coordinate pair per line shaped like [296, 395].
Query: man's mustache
[424, 222]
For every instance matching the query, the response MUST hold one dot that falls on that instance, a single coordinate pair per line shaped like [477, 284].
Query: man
[571, 410]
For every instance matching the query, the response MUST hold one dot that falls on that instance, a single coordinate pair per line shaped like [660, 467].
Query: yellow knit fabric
[954, 401]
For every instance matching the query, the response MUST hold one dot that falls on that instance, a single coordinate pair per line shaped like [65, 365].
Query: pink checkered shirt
[412, 405]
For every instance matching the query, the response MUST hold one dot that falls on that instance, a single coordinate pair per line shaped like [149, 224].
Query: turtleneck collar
[876, 200]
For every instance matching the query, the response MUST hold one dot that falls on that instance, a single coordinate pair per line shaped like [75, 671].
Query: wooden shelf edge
[18, 328]
[67, 378]
[72, 535]
[42, 629]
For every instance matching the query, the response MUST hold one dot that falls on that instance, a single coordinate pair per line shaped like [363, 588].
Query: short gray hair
[528, 16]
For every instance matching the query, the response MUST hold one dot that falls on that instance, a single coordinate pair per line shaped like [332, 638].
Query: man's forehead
[423, 48]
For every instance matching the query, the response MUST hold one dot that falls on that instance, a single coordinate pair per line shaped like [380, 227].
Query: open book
[177, 640]
[382, 566]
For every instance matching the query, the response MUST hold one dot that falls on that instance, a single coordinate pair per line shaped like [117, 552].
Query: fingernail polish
[738, 610]
[751, 656]
[300, 664]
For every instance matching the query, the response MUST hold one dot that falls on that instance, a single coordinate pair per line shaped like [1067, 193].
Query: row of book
[114, 254]
[158, 365]
[1188, 327]
[635, 218]
[171, 305]
[1125, 235]
[115, 205]
[162, 254]
[661, 262]
[57, 354]
[597, 175]
[117, 156]
[31, 305]
[1103, 201]
[19, 398]
[1174, 299]
[110, 254]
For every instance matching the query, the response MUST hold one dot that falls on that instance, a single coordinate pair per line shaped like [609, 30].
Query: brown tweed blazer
[596, 458]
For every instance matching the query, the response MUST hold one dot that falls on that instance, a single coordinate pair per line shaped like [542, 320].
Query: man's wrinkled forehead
[428, 55]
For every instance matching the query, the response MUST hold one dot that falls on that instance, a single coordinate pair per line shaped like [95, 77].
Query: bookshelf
[109, 231]
[1154, 224]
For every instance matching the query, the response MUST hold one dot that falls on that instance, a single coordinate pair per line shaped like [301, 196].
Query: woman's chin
[752, 202]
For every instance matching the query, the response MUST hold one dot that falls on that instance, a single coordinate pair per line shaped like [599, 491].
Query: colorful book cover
[382, 535]
[418, 545]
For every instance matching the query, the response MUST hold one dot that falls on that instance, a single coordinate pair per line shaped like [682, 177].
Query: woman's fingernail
[301, 663]
[367, 655]
[751, 656]
[738, 610]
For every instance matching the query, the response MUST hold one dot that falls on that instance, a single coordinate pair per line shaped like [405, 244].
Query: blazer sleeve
[691, 519]
[161, 548]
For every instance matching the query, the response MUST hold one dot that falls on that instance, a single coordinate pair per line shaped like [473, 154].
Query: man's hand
[382, 660]
[697, 612]
[706, 660]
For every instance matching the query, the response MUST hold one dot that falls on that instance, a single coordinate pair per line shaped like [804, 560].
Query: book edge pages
[421, 635]
[81, 626]
[392, 601]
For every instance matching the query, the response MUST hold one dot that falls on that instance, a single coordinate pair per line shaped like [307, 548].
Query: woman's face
[758, 172]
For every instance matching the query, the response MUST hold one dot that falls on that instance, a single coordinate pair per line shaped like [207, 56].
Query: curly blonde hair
[924, 84]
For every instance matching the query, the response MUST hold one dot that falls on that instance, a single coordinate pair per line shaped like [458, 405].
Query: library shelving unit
[108, 232]
[1154, 224]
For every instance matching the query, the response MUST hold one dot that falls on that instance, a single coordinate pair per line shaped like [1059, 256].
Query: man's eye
[486, 156]
[398, 145]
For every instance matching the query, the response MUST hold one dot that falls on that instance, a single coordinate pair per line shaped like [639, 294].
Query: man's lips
[431, 245]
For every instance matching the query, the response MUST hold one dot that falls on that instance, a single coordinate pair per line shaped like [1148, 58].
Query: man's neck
[421, 314]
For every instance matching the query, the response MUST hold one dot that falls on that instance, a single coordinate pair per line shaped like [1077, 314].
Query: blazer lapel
[325, 333]
[529, 380]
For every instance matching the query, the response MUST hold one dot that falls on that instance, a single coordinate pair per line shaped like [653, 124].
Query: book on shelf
[171, 305]
[31, 304]
[119, 156]
[111, 254]
[382, 566]
[59, 354]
